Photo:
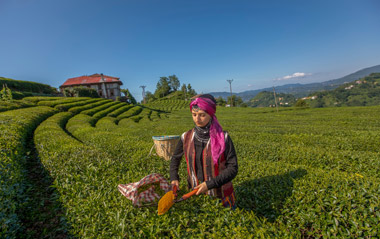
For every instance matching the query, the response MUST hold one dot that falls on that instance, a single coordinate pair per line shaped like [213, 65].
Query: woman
[209, 152]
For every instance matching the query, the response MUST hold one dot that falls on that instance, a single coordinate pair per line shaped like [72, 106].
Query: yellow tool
[167, 201]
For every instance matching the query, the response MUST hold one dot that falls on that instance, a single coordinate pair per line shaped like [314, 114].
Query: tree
[221, 101]
[85, 92]
[129, 96]
[236, 101]
[149, 97]
[190, 91]
[301, 103]
[162, 88]
[174, 82]
[184, 91]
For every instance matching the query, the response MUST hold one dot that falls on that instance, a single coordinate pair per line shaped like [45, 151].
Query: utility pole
[275, 99]
[230, 81]
[143, 92]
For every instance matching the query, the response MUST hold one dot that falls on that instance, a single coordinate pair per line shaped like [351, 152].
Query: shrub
[15, 127]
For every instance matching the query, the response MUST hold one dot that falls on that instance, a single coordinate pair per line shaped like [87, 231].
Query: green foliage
[6, 94]
[163, 87]
[119, 111]
[78, 102]
[101, 106]
[15, 127]
[80, 91]
[129, 96]
[149, 97]
[301, 103]
[174, 82]
[131, 112]
[52, 102]
[90, 106]
[28, 86]
[303, 173]
[220, 101]
[168, 104]
[190, 92]
[36, 99]
[166, 86]
[14, 104]
[85, 92]
[236, 101]
[102, 113]
[266, 99]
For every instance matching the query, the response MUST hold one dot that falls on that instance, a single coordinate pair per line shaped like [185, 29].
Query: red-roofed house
[107, 86]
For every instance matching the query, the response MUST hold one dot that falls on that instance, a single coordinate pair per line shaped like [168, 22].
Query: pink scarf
[216, 132]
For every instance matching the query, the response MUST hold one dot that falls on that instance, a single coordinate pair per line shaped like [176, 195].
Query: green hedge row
[14, 104]
[36, 99]
[94, 110]
[67, 106]
[119, 111]
[62, 100]
[15, 128]
[197, 217]
[168, 105]
[103, 113]
[290, 197]
[90, 106]
[155, 115]
[87, 180]
[79, 173]
[27, 86]
[131, 112]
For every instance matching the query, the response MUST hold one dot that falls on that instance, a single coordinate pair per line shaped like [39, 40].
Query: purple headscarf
[216, 132]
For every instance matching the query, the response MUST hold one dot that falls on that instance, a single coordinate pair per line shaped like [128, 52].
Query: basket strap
[150, 152]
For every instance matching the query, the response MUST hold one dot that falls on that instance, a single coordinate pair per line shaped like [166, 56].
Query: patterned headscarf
[216, 132]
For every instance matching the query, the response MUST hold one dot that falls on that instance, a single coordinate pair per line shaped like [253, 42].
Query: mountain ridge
[302, 90]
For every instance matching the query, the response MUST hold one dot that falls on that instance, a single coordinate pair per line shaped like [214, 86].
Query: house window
[111, 91]
[100, 93]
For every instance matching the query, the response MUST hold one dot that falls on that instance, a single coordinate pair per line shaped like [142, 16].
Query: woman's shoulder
[185, 133]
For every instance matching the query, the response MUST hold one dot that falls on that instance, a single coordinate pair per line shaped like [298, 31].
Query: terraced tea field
[303, 173]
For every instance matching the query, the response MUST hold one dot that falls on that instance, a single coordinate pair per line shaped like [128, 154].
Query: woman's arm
[175, 161]
[231, 167]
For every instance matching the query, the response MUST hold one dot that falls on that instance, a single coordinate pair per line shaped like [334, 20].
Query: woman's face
[200, 117]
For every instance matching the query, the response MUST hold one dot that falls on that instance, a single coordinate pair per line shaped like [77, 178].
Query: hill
[266, 99]
[362, 92]
[302, 90]
[21, 89]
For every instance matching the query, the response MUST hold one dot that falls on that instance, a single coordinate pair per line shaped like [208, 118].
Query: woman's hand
[202, 188]
[175, 182]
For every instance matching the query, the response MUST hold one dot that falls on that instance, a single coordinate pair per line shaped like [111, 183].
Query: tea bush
[14, 104]
[105, 112]
[79, 102]
[303, 173]
[92, 110]
[15, 127]
[131, 112]
[90, 106]
[119, 111]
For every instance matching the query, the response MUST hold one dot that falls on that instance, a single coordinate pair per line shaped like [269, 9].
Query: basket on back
[165, 145]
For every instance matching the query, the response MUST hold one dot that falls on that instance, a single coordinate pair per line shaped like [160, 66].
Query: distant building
[106, 86]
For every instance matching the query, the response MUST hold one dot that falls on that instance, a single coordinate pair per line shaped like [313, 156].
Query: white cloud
[294, 75]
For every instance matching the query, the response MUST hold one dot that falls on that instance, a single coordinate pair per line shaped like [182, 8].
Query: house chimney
[101, 74]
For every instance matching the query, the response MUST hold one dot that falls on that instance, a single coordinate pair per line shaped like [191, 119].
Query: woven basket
[165, 145]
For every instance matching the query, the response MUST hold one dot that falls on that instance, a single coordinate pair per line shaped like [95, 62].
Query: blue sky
[256, 43]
